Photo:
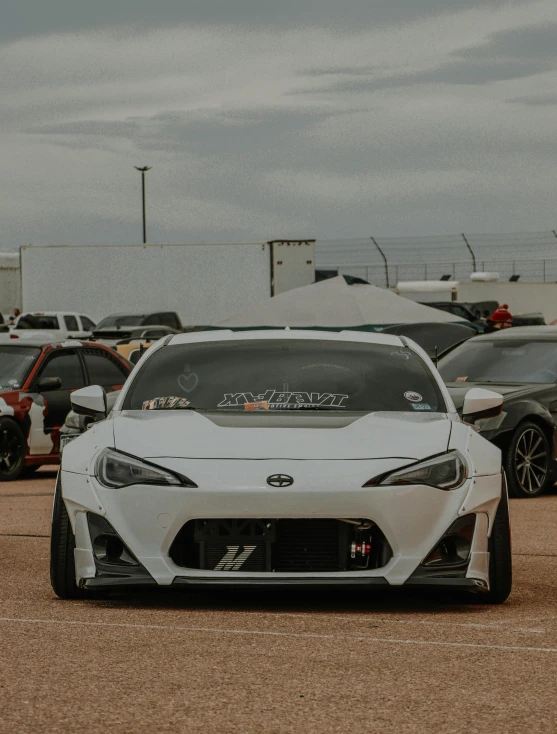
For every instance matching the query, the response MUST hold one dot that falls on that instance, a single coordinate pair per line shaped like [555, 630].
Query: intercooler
[281, 545]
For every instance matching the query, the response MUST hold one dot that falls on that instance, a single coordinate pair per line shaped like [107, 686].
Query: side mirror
[47, 384]
[89, 401]
[480, 403]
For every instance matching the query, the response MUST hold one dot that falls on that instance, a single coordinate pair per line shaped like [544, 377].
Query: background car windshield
[501, 361]
[116, 321]
[34, 321]
[271, 375]
[15, 365]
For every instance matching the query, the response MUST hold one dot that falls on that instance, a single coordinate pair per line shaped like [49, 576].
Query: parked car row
[38, 376]
[71, 325]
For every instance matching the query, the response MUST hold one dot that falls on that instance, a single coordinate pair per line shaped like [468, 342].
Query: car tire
[500, 556]
[62, 544]
[12, 450]
[527, 478]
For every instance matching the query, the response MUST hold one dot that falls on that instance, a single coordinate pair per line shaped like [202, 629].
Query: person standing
[501, 318]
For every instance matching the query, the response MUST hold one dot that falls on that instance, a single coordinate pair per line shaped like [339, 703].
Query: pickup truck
[121, 326]
[56, 325]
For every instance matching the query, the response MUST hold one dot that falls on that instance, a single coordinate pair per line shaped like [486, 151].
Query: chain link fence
[385, 261]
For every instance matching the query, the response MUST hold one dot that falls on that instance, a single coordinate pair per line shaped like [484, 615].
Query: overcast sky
[270, 119]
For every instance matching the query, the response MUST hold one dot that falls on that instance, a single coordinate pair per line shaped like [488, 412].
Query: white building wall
[10, 282]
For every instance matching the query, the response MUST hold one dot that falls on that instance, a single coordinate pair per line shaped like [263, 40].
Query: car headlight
[114, 470]
[446, 471]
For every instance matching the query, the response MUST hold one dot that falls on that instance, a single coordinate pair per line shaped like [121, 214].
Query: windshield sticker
[168, 403]
[278, 400]
[413, 397]
[262, 405]
[420, 406]
[401, 353]
[461, 379]
[188, 380]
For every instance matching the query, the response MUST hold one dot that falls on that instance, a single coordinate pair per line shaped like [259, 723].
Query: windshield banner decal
[279, 400]
[168, 403]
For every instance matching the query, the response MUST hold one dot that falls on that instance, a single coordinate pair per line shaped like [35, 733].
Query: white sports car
[277, 458]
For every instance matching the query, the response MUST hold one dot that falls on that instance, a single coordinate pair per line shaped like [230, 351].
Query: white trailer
[204, 283]
[10, 282]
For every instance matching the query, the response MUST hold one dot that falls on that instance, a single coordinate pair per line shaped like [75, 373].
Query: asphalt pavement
[264, 662]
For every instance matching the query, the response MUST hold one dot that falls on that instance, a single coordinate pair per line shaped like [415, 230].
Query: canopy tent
[334, 304]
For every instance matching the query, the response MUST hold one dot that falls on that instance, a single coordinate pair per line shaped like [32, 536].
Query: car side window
[154, 320]
[67, 367]
[103, 371]
[171, 320]
[134, 356]
[71, 323]
[88, 325]
[155, 333]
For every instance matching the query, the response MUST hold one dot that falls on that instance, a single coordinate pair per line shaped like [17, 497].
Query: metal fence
[385, 261]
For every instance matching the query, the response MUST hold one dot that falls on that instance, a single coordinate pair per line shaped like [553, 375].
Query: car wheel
[526, 461]
[12, 450]
[62, 544]
[500, 557]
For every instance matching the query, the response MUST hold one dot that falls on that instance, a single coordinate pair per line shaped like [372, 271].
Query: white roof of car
[345, 336]
[50, 313]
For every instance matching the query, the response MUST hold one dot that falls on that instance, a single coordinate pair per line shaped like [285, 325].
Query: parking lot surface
[273, 662]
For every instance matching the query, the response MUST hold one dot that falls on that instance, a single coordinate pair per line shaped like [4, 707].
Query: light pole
[143, 170]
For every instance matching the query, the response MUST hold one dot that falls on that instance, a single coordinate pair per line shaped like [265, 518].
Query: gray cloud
[340, 71]
[535, 100]
[467, 72]
[511, 54]
[531, 42]
[32, 17]
[257, 133]
[236, 156]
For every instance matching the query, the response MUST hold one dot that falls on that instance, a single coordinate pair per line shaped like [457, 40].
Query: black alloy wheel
[12, 450]
[527, 460]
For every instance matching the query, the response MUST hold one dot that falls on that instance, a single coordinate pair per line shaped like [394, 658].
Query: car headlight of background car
[114, 469]
[446, 471]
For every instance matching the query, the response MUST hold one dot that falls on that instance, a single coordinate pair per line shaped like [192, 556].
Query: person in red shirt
[501, 318]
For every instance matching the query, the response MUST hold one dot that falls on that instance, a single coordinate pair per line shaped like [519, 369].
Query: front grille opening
[284, 545]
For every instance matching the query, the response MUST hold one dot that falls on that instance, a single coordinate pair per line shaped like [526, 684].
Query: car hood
[188, 434]
[458, 390]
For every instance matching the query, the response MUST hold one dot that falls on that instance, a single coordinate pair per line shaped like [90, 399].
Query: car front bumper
[148, 518]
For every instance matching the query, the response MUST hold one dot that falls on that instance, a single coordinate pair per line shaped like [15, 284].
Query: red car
[36, 380]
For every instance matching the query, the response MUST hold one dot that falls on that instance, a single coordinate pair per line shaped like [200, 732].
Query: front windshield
[512, 360]
[115, 322]
[15, 365]
[281, 374]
